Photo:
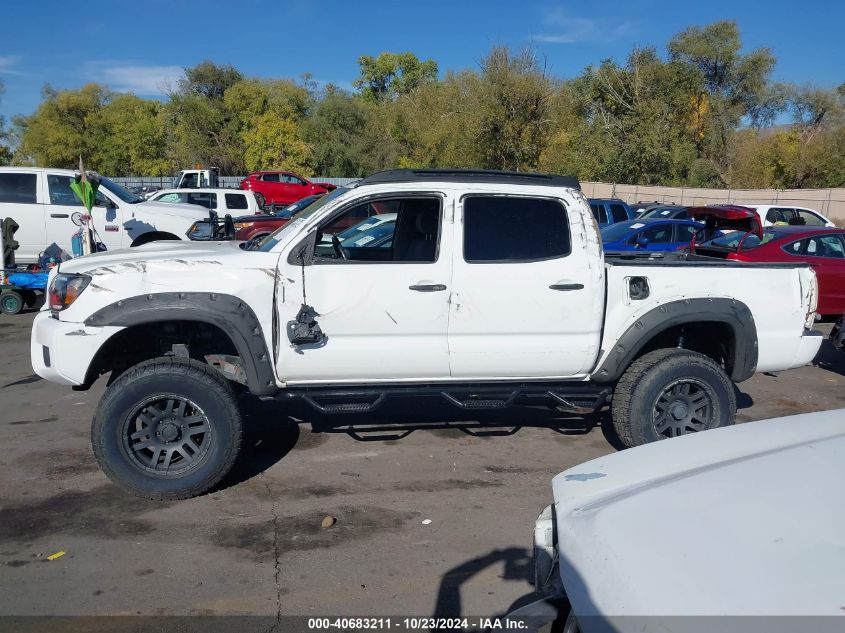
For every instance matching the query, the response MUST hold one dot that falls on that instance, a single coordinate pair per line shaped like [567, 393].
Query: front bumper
[61, 352]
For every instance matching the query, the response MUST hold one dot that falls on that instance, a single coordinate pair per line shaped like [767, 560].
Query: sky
[142, 47]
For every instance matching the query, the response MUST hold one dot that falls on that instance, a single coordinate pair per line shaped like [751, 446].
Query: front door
[382, 303]
[527, 290]
[62, 203]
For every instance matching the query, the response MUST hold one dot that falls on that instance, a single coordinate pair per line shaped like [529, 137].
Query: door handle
[427, 287]
[567, 286]
[59, 215]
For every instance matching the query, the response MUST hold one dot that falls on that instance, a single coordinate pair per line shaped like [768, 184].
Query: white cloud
[561, 28]
[7, 64]
[142, 80]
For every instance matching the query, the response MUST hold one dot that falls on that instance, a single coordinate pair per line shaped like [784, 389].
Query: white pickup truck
[41, 201]
[493, 291]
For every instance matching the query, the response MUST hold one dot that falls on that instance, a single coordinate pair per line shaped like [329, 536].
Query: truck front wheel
[168, 428]
[671, 392]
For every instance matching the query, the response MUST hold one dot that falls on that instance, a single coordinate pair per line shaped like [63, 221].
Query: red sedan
[281, 187]
[821, 248]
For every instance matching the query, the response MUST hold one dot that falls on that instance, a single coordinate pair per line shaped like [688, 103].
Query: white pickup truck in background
[493, 291]
[41, 201]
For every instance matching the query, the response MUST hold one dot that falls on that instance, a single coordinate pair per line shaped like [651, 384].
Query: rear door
[527, 290]
[659, 237]
[19, 200]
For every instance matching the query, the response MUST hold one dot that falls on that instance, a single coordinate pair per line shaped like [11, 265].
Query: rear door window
[810, 218]
[207, 200]
[512, 230]
[270, 177]
[599, 213]
[661, 234]
[685, 232]
[618, 212]
[18, 188]
[779, 214]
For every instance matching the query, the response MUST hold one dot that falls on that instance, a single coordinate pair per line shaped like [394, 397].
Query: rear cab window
[508, 229]
[236, 201]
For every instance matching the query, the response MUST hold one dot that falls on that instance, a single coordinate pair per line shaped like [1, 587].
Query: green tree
[392, 74]
[130, 138]
[274, 142]
[736, 86]
[200, 128]
[335, 130]
[64, 127]
[5, 136]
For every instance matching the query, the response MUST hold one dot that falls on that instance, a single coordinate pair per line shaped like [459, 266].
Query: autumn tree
[392, 74]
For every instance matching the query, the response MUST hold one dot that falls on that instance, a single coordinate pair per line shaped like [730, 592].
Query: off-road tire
[167, 377]
[635, 395]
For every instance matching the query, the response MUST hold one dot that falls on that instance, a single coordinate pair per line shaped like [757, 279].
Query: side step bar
[579, 398]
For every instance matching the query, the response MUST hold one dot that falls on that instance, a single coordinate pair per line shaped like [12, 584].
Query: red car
[821, 248]
[282, 187]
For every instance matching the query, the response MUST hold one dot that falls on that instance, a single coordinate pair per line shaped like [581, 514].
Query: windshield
[271, 240]
[616, 232]
[119, 191]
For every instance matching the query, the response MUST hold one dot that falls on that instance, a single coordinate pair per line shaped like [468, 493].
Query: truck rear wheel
[671, 392]
[168, 428]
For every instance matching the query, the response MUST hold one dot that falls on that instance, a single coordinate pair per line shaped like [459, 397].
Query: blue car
[609, 211]
[649, 235]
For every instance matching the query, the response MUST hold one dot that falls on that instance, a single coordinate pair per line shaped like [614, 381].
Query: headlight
[201, 230]
[65, 289]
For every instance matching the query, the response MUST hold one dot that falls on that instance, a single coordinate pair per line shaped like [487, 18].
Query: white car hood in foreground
[166, 251]
[745, 520]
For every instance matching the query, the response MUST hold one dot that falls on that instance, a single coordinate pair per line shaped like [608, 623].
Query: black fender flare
[735, 314]
[230, 314]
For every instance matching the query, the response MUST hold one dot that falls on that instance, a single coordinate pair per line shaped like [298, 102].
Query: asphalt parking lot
[256, 546]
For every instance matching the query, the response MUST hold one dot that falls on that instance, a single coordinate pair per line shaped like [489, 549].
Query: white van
[41, 201]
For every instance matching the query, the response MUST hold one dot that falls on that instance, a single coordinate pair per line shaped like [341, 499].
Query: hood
[155, 252]
[753, 505]
[173, 209]
[728, 218]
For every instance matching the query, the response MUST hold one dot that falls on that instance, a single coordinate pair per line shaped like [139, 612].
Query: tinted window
[810, 218]
[661, 234]
[824, 246]
[207, 200]
[236, 201]
[61, 193]
[779, 215]
[686, 232]
[598, 213]
[270, 177]
[19, 188]
[514, 229]
[618, 212]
